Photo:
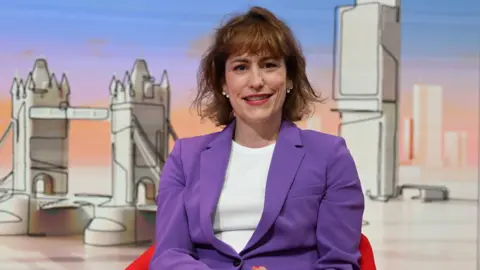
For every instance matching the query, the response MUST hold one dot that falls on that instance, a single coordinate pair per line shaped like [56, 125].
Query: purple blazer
[312, 217]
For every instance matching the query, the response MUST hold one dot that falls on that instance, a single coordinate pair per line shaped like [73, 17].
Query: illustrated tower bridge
[38, 185]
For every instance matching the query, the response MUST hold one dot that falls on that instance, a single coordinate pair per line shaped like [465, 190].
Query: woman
[261, 194]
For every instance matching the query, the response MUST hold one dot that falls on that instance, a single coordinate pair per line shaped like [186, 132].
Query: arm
[173, 246]
[340, 214]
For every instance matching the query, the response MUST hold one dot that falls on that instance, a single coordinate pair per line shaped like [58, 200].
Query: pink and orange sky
[440, 54]
[90, 140]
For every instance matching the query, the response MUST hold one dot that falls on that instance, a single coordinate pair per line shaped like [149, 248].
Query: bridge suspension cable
[5, 134]
[171, 131]
[148, 149]
[3, 138]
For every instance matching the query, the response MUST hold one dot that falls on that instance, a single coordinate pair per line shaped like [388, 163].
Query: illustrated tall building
[407, 142]
[40, 142]
[314, 123]
[366, 90]
[428, 125]
[455, 149]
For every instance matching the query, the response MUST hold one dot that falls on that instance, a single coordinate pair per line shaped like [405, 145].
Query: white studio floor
[405, 234]
[410, 234]
[413, 235]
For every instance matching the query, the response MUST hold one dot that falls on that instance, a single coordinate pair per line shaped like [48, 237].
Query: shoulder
[323, 148]
[187, 151]
[190, 146]
[330, 153]
[319, 142]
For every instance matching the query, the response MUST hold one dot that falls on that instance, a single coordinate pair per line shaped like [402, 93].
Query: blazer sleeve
[340, 214]
[173, 246]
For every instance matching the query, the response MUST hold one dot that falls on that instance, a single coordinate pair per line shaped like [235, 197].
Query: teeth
[257, 97]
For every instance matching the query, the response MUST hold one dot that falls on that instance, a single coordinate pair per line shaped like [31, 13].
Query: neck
[256, 135]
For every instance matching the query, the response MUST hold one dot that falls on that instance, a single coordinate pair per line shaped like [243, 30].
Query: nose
[256, 80]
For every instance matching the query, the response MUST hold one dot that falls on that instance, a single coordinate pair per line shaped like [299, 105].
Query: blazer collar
[287, 157]
[289, 133]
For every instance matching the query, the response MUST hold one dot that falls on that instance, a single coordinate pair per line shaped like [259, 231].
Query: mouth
[259, 97]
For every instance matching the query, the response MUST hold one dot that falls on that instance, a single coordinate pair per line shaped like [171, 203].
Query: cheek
[281, 95]
[234, 84]
[277, 81]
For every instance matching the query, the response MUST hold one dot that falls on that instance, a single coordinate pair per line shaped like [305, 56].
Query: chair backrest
[142, 262]
[367, 261]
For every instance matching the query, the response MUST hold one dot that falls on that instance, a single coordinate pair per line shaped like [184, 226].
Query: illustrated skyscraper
[428, 126]
[407, 141]
[455, 149]
[366, 90]
[314, 123]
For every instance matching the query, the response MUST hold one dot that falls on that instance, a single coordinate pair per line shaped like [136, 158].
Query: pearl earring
[288, 90]
[225, 94]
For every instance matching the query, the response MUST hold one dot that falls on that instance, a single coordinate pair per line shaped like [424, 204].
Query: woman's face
[256, 87]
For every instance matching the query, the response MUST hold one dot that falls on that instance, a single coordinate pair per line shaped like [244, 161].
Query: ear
[289, 84]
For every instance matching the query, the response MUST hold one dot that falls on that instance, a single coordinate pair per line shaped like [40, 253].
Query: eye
[240, 67]
[270, 65]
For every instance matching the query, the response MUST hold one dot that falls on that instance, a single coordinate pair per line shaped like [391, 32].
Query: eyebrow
[245, 60]
[240, 60]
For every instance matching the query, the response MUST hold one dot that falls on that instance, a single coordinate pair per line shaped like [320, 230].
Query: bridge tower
[40, 148]
[140, 134]
[139, 129]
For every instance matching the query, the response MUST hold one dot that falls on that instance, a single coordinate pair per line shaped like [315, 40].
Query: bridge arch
[145, 190]
[43, 183]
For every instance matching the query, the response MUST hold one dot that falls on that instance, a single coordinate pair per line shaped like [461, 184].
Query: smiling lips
[256, 100]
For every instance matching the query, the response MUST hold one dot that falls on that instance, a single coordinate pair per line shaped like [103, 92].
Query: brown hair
[257, 31]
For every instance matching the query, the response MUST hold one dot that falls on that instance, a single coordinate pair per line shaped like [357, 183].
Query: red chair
[142, 262]
[367, 261]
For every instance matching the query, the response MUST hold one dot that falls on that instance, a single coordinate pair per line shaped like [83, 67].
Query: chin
[258, 118]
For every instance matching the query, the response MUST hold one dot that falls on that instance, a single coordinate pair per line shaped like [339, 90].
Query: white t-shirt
[241, 201]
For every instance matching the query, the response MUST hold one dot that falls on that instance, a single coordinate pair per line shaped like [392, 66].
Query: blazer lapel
[287, 157]
[213, 167]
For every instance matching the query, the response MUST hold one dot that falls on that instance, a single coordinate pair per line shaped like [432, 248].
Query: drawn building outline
[140, 128]
[366, 90]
